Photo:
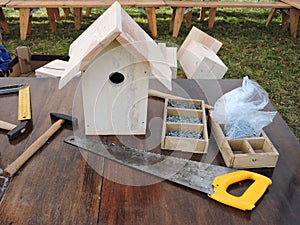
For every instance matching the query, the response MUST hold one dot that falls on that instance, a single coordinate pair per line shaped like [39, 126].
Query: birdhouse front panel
[115, 93]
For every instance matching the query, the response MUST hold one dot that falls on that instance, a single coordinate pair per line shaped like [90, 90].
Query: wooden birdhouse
[115, 57]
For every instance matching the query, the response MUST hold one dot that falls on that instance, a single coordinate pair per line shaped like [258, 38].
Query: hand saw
[211, 179]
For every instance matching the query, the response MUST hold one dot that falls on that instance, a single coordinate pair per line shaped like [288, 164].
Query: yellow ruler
[24, 112]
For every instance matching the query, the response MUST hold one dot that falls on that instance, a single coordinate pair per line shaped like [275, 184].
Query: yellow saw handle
[247, 200]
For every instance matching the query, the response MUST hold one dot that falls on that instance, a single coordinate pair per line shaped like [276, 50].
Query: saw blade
[192, 174]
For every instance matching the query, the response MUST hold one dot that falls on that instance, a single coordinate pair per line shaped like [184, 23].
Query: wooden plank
[80, 3]
[199, 36]
[51, 17]
[178, 18]
[294, 3]
[212, 16]
[3, 22]
[294, 21]
[24, 21]
[224, 4]
[151, 16]
[170, 54]
[200, 62]
[125, 103]
[77, 17]
[4, 2]
[143, 46]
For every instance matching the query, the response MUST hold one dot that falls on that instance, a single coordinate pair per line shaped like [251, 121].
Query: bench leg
[51, 17]
[294, 20]
[66, 12]
[24, 21]
[202, 13]
[151, 16]
[88, 11]
[179, 14]
[77, 17]
[3, 22]
[212, 15]
[270, 17]
[29, 25]
[172, 20]
[188, 19]
[56, 14]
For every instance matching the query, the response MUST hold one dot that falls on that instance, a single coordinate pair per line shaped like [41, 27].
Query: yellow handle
[247, 200]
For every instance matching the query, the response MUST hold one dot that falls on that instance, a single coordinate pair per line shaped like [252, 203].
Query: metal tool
[24, 113]
[14, 131]
[203, 177]
[11, 89]
[33, 148]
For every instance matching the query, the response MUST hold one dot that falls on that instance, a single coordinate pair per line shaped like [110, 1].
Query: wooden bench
[3, 22]
[51, 6]
[294, 15]
[180, 7]
[150, 6]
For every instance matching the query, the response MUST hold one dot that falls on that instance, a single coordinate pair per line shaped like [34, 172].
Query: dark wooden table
[62, 185]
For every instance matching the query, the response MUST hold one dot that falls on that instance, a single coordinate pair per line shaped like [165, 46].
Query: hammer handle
[32, 149]
[6, 126]
[159, 94]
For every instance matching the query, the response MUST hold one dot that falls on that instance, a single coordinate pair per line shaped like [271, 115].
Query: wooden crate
[254, 152]
[187, 144]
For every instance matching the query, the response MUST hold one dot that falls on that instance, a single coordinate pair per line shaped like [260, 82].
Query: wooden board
[115, 107]
[199, 36]
[183, 143]
[200, 62]
[227, 4]
[80, 3]
[135, 38]
[170, 54]
[256, 152]
[294, 3]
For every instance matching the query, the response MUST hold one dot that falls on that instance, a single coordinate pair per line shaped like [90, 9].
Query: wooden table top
[81, 3]
[62, 185]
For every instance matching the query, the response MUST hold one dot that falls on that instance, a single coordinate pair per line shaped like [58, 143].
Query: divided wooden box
[191, 118]
[253, 152]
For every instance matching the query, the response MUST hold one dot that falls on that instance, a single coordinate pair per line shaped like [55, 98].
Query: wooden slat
[80, 3]
[216, 4]
[294, 3]
[4, 2]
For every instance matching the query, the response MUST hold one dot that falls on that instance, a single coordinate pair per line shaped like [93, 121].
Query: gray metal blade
[192, 174]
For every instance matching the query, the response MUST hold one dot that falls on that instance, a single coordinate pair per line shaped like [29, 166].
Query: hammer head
[69, 120]
[20, 129]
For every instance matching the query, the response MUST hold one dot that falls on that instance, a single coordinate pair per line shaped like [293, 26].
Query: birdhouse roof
[116, 25]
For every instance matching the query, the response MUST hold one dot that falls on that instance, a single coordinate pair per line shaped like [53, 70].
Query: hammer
[14, 131]
[35, 146]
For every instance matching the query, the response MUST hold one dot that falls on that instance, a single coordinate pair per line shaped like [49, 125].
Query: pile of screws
[176, 104]
[184, 134]
[181, 119]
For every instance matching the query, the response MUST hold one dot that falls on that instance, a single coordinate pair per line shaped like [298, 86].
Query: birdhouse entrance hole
[116, 78]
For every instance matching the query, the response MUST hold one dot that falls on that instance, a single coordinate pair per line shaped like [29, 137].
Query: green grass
[269, 56]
